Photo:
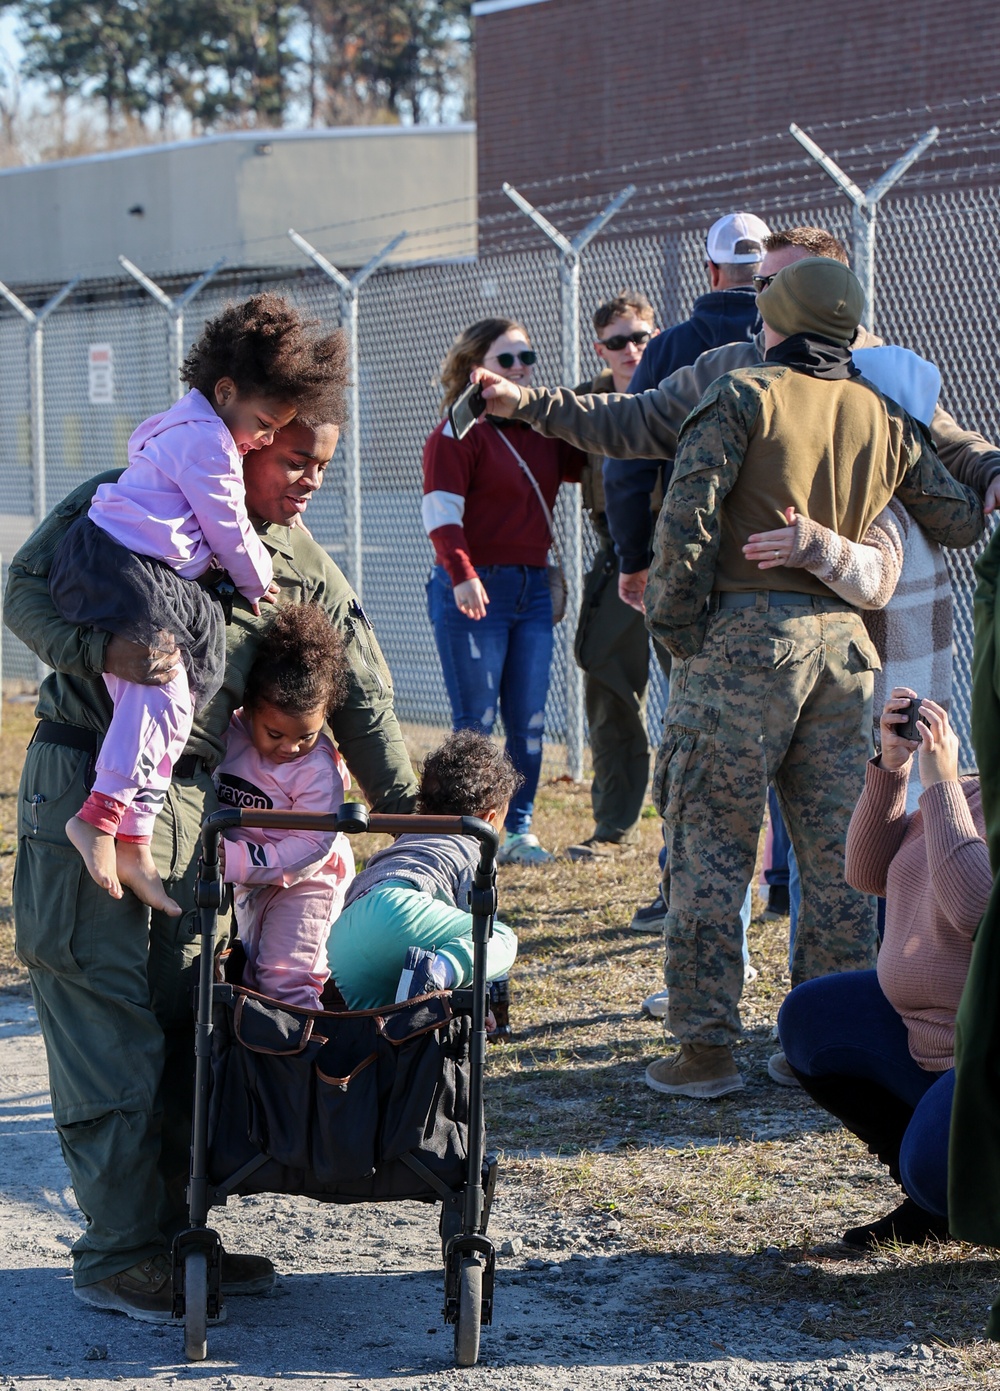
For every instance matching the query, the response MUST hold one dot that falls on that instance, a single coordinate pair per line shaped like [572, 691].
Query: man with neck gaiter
[772, 677]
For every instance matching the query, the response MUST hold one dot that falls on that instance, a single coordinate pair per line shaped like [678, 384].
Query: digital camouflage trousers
[776, 695]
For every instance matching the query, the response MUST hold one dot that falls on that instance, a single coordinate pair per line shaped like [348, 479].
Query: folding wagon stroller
[344, 1107]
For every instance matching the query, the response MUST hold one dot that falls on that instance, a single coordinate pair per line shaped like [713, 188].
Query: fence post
[175, 309]
[865, 205]
[348, 289]
[572, 529]
[35, 320]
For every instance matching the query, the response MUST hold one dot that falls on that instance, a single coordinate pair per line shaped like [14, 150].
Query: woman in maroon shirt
[488, 594]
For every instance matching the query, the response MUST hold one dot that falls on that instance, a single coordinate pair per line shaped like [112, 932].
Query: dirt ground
[649, 1241]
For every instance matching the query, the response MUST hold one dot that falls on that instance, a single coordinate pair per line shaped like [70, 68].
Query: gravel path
[359, 1297]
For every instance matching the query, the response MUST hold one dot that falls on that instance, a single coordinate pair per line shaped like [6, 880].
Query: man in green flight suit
[612, 645]
[111, 982]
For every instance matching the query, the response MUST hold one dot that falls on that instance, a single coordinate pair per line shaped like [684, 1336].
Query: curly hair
[468, 351]
[301, 663]
[269, 350]
[467, 776]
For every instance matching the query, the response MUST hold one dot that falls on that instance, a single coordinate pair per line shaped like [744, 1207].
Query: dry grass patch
[18, 724]
[749, 1192]
[757, 1185]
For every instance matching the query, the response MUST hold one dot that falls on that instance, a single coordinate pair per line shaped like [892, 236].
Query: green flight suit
[111, 981]
[612, 650]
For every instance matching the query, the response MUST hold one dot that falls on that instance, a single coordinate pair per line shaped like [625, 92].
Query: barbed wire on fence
[936, 292]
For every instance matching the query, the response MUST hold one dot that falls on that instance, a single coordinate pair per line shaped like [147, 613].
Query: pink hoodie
[182, 499]
[317, 782]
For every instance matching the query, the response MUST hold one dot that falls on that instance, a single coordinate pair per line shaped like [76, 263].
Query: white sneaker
[523, 850]
[655, 1006]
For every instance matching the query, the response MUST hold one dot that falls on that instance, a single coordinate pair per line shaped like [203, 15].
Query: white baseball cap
[736, 240]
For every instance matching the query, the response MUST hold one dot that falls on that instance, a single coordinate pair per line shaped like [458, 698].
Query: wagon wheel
[196, 1306]
[470, 1312]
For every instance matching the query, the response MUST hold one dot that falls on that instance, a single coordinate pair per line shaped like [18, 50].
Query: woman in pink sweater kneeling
[875, 1048]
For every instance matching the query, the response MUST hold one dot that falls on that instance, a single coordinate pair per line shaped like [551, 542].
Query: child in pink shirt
[289, 886]
[144, 561]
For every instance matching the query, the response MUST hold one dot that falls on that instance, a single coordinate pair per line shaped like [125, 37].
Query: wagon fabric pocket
[415, 1042]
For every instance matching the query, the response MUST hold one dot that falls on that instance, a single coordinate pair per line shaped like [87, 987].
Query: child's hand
[270, 596]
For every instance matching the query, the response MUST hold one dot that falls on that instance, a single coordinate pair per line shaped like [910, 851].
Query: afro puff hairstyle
[269, 350]
[301, 663]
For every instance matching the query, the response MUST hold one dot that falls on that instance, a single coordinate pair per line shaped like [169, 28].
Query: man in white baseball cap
[736, 240]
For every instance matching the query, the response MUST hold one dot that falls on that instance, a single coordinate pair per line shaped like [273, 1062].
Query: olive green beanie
[816, 295]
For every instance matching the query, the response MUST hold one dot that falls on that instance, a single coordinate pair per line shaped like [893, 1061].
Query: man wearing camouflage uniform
[112, 986]
[772, 677]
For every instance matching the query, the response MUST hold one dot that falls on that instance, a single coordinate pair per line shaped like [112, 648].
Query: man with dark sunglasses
[612, 645]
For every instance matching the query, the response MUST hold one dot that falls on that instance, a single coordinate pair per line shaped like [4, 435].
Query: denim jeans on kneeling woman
[500, 662]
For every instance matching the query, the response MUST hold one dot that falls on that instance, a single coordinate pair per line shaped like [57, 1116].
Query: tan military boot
[697, 1069]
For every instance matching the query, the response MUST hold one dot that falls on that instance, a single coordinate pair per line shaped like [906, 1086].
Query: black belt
[775, 599]
[74, 736]
[71, 736]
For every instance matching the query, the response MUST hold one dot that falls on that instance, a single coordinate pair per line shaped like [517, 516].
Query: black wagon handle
[353, 818]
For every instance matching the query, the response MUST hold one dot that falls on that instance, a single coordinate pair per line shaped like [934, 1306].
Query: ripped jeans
[500, 662]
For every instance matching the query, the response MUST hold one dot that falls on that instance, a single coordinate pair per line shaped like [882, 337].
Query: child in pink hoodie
[141, 562]
[289, 885]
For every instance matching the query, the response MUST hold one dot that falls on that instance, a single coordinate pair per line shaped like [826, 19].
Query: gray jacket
[441, 866]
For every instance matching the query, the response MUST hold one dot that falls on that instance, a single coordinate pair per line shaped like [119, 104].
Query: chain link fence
[936, 291]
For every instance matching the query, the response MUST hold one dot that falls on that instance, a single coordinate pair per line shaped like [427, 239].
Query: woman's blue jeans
[844, 1025]
[500, 662]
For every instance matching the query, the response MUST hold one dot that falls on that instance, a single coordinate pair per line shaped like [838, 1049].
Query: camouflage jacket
[711, 449]
[364, 727]
[646, 426]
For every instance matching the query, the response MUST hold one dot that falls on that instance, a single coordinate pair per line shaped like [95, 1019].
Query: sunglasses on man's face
[621, 340]
[761, 282]
[527, 357]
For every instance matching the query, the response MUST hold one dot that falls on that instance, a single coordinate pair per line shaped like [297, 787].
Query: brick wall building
[568, 86]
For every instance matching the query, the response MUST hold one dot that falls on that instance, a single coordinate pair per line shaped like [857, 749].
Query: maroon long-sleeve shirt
[479, 508]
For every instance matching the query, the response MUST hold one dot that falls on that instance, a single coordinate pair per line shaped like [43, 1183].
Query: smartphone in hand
[464, 412]
[909, 729]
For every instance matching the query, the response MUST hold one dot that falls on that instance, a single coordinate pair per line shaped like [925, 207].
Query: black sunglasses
[761, 282]
[528, 357]
[622, 340]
